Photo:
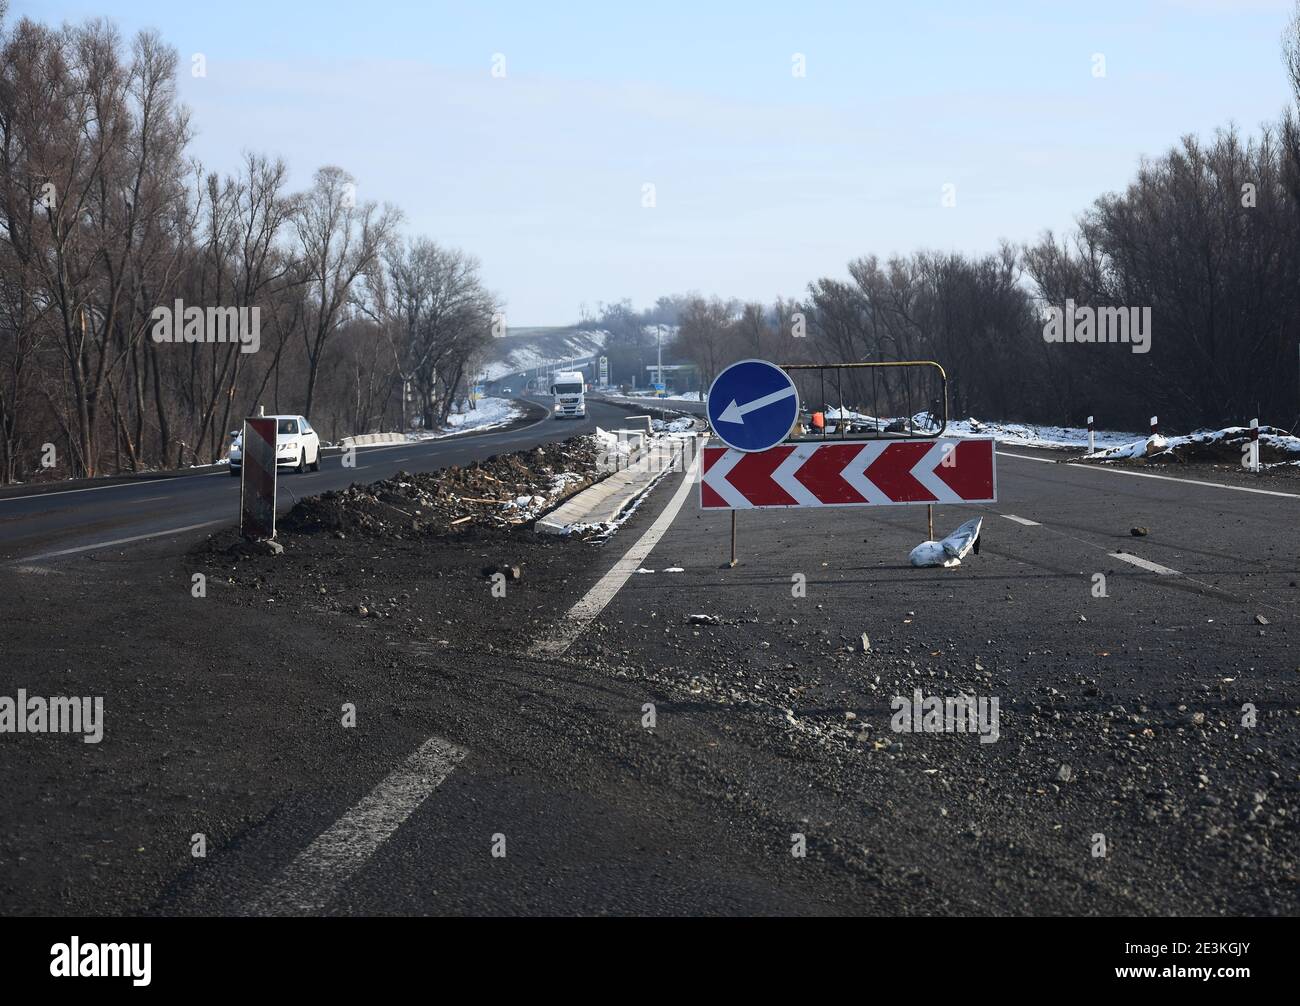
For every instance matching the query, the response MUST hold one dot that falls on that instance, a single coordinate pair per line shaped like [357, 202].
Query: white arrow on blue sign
[753, 405]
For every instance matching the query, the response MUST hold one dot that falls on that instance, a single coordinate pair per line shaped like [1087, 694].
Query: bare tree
[338, 241]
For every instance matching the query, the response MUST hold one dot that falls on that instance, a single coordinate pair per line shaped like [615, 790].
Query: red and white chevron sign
[850, 473]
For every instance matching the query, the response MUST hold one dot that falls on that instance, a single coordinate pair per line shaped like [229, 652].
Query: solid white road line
[1147, 564]
[1022, 520]
[593, 602]
[121, 541]
[116, 485]
[1162, 478]
[318, 872]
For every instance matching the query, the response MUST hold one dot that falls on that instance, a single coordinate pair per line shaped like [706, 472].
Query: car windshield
[567, 389]
[288, 426]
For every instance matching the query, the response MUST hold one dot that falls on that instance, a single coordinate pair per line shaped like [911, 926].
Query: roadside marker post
[257, 479]
[1254, 445]
[1155, 426]
[1092, 444]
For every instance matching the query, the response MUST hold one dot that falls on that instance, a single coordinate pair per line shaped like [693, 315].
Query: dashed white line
[593, 602]
[1162, 478]
[318, 873]
[1022, 520]
[1147, 564]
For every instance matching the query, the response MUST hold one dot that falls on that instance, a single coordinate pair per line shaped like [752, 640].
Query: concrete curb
[603, 502]
[367, 439]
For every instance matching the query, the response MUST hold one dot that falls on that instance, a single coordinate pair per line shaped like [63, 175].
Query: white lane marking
[318, 872]
[120, 541]
[116, 485]
[1022, 520]
[1163, 478]
[1147, 564]
[1030, 457]
[593, 602]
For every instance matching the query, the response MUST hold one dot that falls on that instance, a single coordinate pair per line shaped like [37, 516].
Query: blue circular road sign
[753, 405]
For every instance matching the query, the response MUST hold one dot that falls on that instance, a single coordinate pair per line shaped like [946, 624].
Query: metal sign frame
[852, 430]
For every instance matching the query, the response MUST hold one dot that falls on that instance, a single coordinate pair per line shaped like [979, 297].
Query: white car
[297, 446]
[506, 391]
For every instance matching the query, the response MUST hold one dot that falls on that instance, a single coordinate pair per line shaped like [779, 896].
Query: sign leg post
[733, 538]
[929, 514]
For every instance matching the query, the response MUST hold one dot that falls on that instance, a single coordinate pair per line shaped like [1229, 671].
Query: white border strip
[1150, 475]
[120, 541]
[320, 870]
[593, 602]
[1147, 564]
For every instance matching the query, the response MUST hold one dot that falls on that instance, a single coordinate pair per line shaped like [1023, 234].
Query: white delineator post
[257, 479]
[1155, 426]
[1092, 445]
[1254, 445]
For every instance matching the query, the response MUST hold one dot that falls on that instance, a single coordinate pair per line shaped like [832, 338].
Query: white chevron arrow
[924, 472]
[716, 479]
[784, 475]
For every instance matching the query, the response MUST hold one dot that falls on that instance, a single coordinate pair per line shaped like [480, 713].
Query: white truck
[569, 387]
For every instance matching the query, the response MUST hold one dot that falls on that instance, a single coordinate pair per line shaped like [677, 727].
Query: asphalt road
[35, 521]
[496, 770]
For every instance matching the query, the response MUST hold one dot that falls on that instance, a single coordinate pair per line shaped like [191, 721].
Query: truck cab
[569, 388]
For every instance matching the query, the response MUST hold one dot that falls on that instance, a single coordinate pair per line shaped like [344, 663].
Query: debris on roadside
[243, 548]
[683, 424]
[951, 550]
[502, 492]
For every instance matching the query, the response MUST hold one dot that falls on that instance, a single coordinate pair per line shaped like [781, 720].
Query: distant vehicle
[297, 446]
[569, 387]
[507, 391]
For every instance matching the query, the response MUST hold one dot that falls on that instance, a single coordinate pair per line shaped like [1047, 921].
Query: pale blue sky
[763, 180]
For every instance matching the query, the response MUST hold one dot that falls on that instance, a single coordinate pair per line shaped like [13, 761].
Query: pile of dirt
[1225, 446]
[501, 492]
[1275, 446]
